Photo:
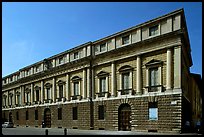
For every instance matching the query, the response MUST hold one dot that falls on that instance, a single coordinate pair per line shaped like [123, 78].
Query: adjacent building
[137, 79]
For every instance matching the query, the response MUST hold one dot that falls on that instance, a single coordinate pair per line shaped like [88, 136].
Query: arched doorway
[124, 117]
[10, 117]
[47, 117]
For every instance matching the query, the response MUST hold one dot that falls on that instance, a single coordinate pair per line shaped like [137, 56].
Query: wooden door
[124, 117]
[47, 118]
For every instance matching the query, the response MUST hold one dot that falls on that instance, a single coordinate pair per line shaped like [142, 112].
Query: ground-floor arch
[124, 117]
[47, 118]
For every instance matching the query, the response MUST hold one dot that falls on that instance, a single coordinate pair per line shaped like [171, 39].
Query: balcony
[102, 94]
[62, 99]
[125, 92]
[75, 97]
[48, 101]
[156, 88]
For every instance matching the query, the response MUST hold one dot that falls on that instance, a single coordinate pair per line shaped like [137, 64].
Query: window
[153, 111]
[4, 101]
[76, 55]
[27, 97]
[18, 99]
[101, 112]
[125, 82]
[154, 30]
[11, 78]
[11, 99]
[103, 84]
[153, 81]
[38, 68]
[17, 116]
[4, 81]
[74, 110]
[48, 93]
[27, 115]
[76, 88]
[36, 114]
[37, 95]
[125, 40]
[60, 91]
[102, 47]
[61, 60]
[59, 113]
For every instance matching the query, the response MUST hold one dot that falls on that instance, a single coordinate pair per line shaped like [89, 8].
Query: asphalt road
[60, 131]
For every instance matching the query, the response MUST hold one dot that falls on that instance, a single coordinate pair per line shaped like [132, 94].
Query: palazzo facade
[137, 79]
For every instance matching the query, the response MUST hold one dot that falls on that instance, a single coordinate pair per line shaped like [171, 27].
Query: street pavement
[61, 131]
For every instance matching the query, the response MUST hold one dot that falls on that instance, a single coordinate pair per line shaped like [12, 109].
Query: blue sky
[33, 31]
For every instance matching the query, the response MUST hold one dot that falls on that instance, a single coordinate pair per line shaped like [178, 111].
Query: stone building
[136, 79]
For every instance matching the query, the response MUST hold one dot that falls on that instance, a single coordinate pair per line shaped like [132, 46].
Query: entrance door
[47, 118]
[124, 113]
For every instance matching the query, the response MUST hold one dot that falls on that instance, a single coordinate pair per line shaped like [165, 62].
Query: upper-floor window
[125, 81]
[102, 47]
[76, 55]
[102, 84]
[154, 71]
[154, 30]
[4, 81]
[61, 60]
[76, 88]
[60, 92]
[38, 68]
[125, 40]
[11, 78]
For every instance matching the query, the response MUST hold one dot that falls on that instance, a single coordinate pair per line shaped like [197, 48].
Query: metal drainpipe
[90, 93]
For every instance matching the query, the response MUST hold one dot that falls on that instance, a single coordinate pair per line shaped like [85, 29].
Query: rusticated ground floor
[161, 113]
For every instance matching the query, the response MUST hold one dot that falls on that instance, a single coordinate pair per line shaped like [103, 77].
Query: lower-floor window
[74, 112]
[153, 111]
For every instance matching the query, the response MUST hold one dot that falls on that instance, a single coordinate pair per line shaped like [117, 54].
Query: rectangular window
[61, 60]
[154, 30]
[74, 110]
[153, 81]
[153, 111]
[27, 115]
[103, 84]
[17, 116]
[101, 112]
[48, 93]
[125, 81]
[76, 55]
[60, 91]
[11, 99]
[36, 114]
[102, 47]
[59, 113]
[76, 88]
[125, 40]
[5, 81]
[37, 95]
[11, 78]
[18, 99]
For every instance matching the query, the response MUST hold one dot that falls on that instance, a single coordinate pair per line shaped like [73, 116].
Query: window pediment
[125, 68]
[60, 82]
[37, 88]
[102, 73]
[154, 62]
[76, 78]
[48, 85]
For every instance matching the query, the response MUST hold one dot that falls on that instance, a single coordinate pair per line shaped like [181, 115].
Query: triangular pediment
[102, 73]
[154, 62]
[125, 68]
